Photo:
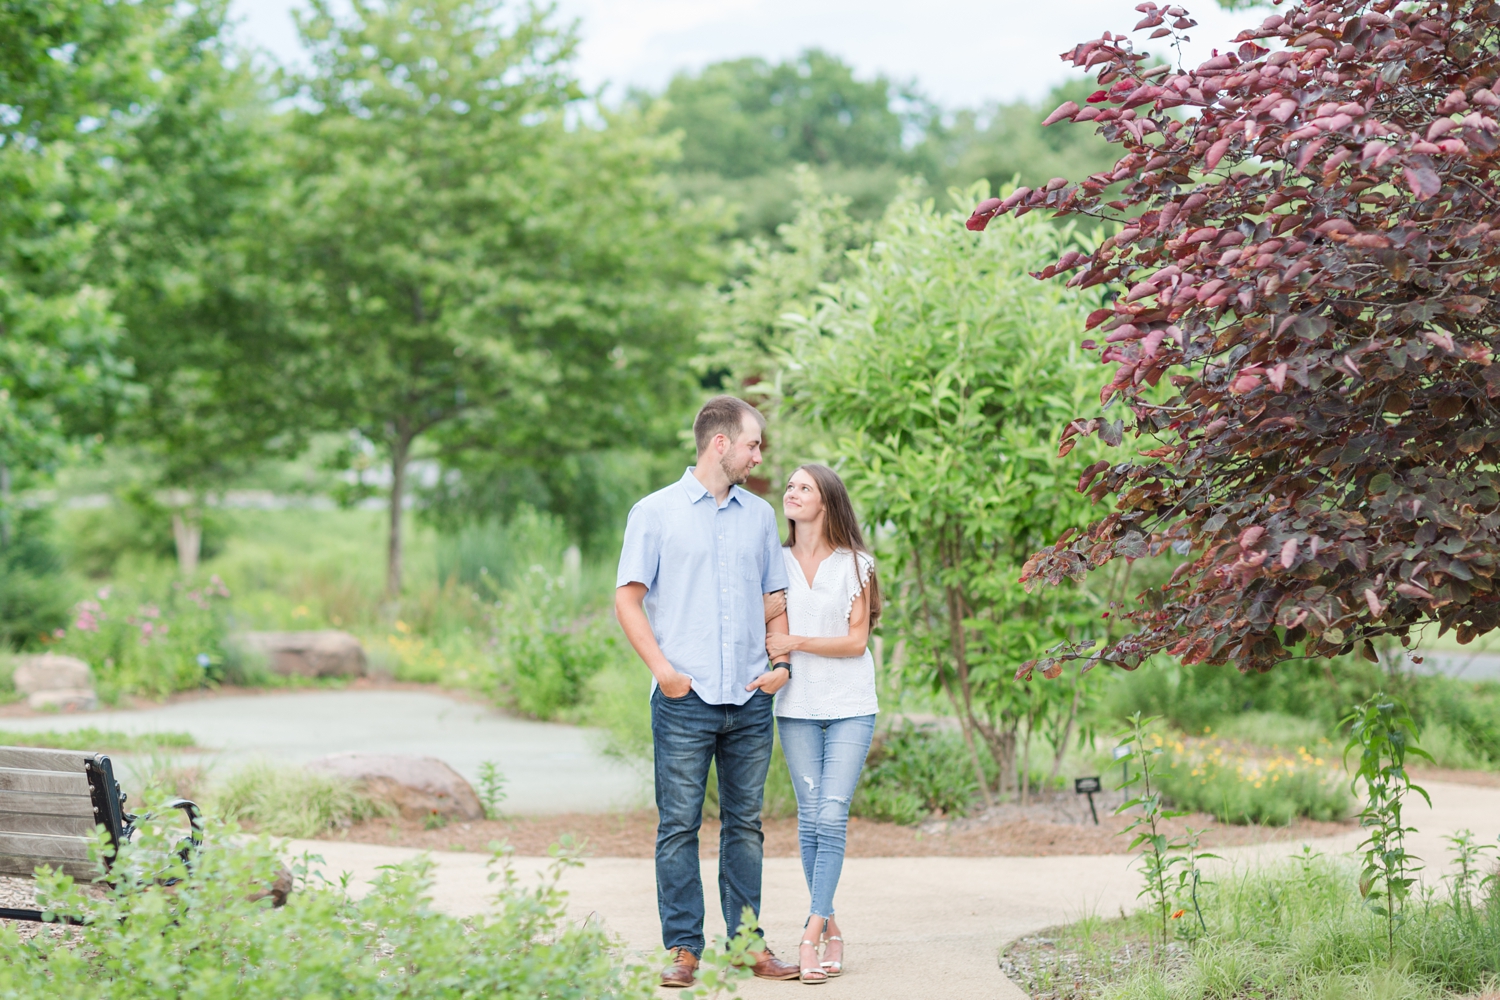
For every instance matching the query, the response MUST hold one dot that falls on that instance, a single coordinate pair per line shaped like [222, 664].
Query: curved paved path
[915, 926]
[548, 767]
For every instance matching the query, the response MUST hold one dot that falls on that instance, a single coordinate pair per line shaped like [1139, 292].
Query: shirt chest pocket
[750, 569]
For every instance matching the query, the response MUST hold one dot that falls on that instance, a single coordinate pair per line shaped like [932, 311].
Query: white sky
[960, 52]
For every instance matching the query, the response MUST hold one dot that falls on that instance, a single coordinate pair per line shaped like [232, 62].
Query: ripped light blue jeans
[824, 757]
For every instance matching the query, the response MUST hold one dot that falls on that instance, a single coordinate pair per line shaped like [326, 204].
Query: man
[701, 557]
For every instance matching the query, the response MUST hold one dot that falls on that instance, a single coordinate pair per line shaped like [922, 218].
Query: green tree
[192, 274]
[72, 78]
[747, 332]
[746, 116]
[946, 370]
[1006, 143]
[481, 276]
[746, 123]
[71, 74]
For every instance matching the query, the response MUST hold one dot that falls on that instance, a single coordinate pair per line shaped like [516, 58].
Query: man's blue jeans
[824, 757]
[687, 733]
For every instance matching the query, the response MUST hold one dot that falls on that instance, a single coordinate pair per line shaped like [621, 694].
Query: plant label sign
[1088, 786]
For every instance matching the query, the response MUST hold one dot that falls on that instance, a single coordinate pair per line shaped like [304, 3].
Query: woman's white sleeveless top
[827, 687]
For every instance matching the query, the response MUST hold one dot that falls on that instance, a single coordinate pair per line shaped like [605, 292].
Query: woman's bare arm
[852, 644]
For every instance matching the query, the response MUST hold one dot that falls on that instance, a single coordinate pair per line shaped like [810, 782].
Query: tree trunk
[964, 710]
[187, 532]
[961, 671]
[4, 506]
[1062, 744]
[1025, 762]
[400, 453]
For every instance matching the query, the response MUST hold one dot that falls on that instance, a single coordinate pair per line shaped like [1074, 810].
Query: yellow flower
[402, 627]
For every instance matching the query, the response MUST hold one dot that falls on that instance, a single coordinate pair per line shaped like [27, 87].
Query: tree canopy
[944, 372]
[465, 288]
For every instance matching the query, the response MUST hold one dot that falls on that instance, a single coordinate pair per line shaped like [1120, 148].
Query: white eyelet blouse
[827, 687]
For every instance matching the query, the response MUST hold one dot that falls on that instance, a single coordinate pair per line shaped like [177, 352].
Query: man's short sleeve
[773, 577]
[640, 555]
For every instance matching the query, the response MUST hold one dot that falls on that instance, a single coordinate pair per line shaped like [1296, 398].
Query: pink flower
[59, 633]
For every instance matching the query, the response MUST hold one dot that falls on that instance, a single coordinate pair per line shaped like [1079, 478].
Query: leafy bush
[33, 594]
[151, 641]
[545, 644]
[208, 936]
[292, 801]
[915, 771]
[1237, 784]
[1464, 716]
[134, 523]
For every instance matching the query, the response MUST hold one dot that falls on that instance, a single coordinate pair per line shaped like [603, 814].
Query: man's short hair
[723, 415]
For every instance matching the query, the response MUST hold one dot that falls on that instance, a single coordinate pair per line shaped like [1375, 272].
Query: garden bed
[1294, 931]
[999, 834]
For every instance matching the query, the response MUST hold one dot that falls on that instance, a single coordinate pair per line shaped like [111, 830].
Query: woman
[826, 713]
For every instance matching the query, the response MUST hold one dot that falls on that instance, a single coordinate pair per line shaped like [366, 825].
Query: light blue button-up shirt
[706, 568]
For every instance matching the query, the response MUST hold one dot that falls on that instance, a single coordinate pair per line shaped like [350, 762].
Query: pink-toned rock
[326, 653]
[416, 786]
[53, 681]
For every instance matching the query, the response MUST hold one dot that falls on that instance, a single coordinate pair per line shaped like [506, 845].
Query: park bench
[52, 802]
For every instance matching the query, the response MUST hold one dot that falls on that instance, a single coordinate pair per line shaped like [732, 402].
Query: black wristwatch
[784, 663]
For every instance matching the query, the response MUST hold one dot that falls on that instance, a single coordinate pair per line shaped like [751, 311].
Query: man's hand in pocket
[675, 685]
[771, 681]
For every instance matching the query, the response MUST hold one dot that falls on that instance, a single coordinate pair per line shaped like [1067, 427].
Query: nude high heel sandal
[816, 974]
[833, 969]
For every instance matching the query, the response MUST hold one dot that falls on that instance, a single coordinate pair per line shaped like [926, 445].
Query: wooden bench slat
[46, 805]
[52, 826]
[43, 846]
[43, 760]
[53, 782]
[25, 866]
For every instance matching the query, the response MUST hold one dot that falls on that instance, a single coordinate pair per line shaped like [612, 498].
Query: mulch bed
[1047, 827]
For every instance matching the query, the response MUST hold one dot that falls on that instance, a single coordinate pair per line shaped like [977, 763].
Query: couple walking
[737, 628]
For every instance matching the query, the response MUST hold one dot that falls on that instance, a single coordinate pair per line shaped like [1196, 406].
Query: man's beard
[736, 476]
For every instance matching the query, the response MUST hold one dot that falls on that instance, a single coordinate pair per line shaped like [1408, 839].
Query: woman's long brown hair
[840, 526]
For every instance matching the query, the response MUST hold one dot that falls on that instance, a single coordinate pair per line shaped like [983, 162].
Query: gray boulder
[416, 786]
[50, 680]
[326, 653]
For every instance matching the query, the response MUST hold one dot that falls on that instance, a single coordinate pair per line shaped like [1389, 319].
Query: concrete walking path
[929, 926]
[550, 768]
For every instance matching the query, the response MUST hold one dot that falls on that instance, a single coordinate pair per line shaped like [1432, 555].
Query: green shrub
[914, 771]
[617, 702]
[545, 645]
[208, 937]
[34, 596]
[1320, 692]
[1237, 784]
[1450, 748]
[150, 639]
[134, 523]
[292, 801]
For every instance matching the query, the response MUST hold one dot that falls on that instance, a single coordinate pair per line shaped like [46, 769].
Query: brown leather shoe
[680, 972]
[768, 966]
